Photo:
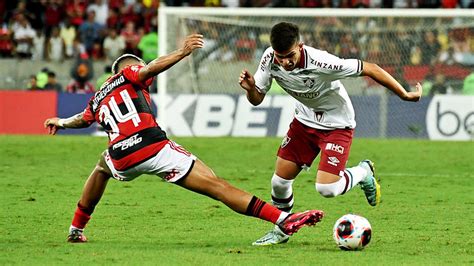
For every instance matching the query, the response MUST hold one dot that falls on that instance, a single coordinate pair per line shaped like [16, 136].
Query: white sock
[357, 173]
[282, 217]
[350, 177]
[332, 189]
[282, 193]
[73, 228]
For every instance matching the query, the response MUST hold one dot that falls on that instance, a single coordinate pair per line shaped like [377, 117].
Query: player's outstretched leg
[202, 180]
[369, 185]
[91, 194]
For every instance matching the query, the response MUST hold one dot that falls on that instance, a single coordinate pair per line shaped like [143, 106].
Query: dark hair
[51, 74]
[118, 61]
[283, 36]
[108, 69]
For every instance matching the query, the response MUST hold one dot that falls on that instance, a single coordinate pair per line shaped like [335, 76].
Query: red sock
[81, 217]
[260, 209]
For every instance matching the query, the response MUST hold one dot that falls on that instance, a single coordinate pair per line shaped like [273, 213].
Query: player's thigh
[335, 147]
[102, 165]
[300, 146]
[201, 179]
[286, 169]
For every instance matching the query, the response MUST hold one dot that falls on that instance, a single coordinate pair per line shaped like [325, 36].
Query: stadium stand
[29, 30]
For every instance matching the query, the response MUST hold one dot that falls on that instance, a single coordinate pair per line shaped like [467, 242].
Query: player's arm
[247, 82]
[163, 63]
[75, 121]
[385, 79]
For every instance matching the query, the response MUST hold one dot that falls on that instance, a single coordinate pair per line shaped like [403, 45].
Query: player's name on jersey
[106, 89]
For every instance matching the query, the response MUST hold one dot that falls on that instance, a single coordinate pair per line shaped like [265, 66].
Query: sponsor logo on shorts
[285, 141]
[127, 143]
[171, 174]
[333, 161]
[335, 147]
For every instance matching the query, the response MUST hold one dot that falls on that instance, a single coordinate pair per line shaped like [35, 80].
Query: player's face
[290, 58]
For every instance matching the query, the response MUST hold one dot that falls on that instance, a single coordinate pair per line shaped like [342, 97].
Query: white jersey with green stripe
[322, 100]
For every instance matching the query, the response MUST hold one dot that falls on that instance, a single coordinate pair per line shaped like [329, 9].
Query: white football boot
[274, 237]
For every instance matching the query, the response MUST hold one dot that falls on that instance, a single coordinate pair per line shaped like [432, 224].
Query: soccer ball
[352, 232]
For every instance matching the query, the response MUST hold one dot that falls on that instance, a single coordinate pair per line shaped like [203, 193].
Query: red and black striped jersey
[123, 107]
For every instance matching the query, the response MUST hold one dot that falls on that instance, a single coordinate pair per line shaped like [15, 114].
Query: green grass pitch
[425, 217]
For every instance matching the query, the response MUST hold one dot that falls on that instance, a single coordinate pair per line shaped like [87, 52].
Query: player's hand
[191, 43]
[52, 125]
[414, 96]
[246, 80]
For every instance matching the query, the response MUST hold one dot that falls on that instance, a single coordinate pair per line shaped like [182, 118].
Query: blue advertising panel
[367, 115]
[407, 119]
[213, 115]
[70, 104]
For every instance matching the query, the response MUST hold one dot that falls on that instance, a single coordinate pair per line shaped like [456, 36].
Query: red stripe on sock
[269, 213]
[346, 176]
[80, 219]
[260, 209]
[258, 206]
[287, 200]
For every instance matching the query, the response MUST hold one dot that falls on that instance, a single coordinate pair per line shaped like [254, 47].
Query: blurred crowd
[92, 30]
[80, 30]
[439, 51]
[327, 3]
[59, 29]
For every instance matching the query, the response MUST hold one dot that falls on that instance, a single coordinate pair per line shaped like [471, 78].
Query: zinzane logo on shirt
[335, 147]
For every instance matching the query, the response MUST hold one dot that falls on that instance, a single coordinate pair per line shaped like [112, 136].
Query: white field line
[469, 175]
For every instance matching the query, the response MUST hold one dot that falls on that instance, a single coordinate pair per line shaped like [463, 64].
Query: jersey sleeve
[263, 78]
[335, 68]
[87, 114]
[131, 73]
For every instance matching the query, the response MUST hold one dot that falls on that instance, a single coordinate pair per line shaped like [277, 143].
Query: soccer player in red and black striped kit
[137, 145]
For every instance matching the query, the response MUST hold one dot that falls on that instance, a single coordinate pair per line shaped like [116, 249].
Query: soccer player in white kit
[324, 119]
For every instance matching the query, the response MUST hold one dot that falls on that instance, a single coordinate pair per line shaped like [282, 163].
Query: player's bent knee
[105, 172]
[326, 190]
[102, 166]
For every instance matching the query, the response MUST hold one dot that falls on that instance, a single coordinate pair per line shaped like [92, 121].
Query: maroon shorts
[302, 144]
